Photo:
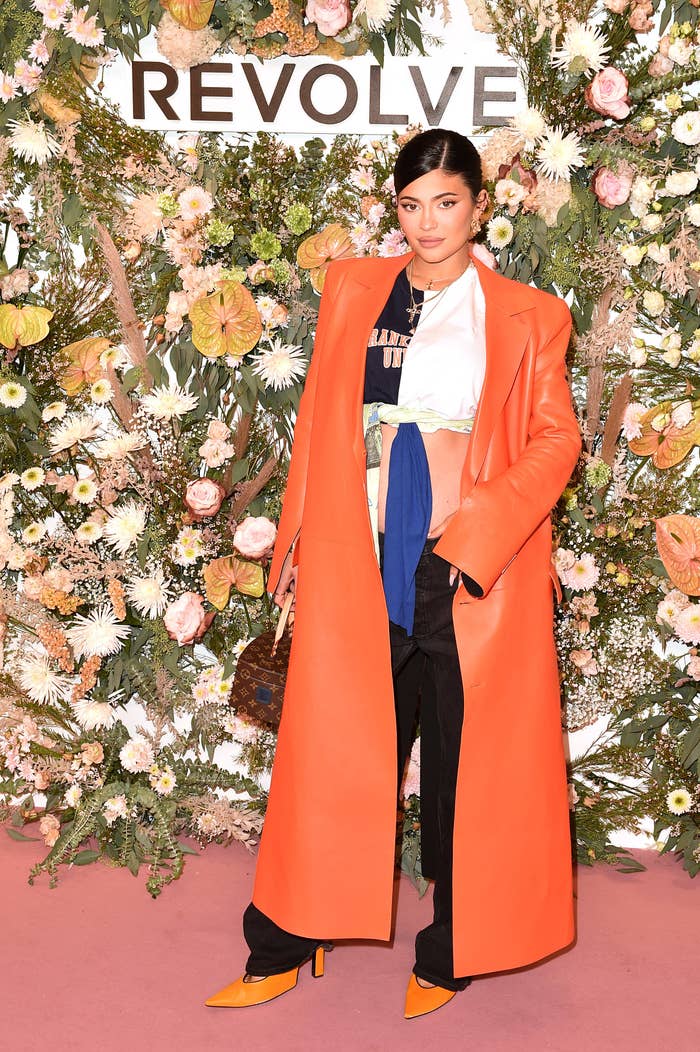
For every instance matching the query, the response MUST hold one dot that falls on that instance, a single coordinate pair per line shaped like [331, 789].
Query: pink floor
[97, 964]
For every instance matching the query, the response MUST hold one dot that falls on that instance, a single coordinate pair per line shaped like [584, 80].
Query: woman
[434, 436]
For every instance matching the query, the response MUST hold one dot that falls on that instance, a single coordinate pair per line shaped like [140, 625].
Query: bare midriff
[445, 451]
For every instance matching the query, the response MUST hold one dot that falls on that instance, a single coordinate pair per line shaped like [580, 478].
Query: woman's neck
[426, 275]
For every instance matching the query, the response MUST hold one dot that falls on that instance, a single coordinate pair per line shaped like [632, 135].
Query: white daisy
[499, 232]
[531, 125]
[40, 681]
[558, 154]
[93, 714]
[125, 525]
[280, 365]
[98, 634]
[119, 446]
[31, 142]
[583, 49]
[678, 801]
[188, 547]
[32, 478]
[164, 403]
[150, 594]
[33, 533]
[12, 394]
[101, 392]
[164, 781]
[7, 481]
[8, 87]
[84, 491]
[88, 533]
[76, 428]
[686, 128]
[53, 411]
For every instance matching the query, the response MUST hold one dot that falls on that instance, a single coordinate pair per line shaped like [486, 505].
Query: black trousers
[427, 685]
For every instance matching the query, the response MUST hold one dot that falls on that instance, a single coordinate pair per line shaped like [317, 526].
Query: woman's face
[435, 213]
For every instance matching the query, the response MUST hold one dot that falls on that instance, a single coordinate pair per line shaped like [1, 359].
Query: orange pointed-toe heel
[423, 999]
[245, 991]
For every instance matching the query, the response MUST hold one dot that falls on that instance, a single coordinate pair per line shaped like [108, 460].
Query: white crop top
[445, 361]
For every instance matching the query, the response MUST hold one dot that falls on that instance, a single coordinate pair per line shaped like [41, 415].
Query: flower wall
[158, 301]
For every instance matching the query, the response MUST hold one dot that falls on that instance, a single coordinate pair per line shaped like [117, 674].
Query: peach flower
[204, 497]
[50, 829]
[693, 668]
[255, 536]
[185, 619]
[584, 661]
[608, 93]
[329, 15]
[611, 188]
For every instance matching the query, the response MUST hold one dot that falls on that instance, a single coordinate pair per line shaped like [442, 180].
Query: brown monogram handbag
[261, 673]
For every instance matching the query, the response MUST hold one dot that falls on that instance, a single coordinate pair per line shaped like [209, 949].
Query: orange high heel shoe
[242, 993]
[423, 999]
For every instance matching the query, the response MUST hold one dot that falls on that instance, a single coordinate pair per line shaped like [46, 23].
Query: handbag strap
[282, 623]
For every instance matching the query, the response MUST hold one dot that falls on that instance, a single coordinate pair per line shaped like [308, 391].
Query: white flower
[672, 357]
[633, 254]
[653, 302]
[98, 634]
[163, 781]
[631, 421]
[682, 414]
[12, 394]
[75, 428]
[659, 253]
[136, 756]
[362, 178]
[652, 222]
[188, 547]
[150, 594]
[84, 491]
[693, 213]
[31, 142]
[8, 87]
[33, 533]
[686, 128]
[638, 357]
[559, 154]
[72, 796]
[508, 192]
[280, 365]
[125, 525]
[32, 478]
[531, 125]
[84, 30]
[195, 202]
[678, 801]
[687, 624]
[114, 808]
[583, 49]
[53, 411]
[164, 403]
[376, 12]
[93, 714]
[679, 184]
[118, 446]
[101, 392]
[499, 232]
[8, 481]
[40, 681]
[88, 533]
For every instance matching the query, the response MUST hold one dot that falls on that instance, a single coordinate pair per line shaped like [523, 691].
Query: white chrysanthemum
[150, 594]
[499, 232]
[680, 184]
[678, 801]
[136, 756]
[188, 547]
[125, 525]
[686, 128]
[72, 796]
[163, 781]
[98, 634]
[692, 213]
[101, 392]
[164, 403]
[654, 303]
[12, 394]
[114, 808]
[33, 533]
[583, 49]
[559, 154]
[280, 365]
[376, 12]
[74, 429]
[40, 681]
[88, 533]
[32, 142]
[92, 715]
[84, 491]
[32, 478]
[119, 446]
[531, 125]
[53, 411]
[633, 254]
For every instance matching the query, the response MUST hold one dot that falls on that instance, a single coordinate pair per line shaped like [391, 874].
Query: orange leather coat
[326, 860]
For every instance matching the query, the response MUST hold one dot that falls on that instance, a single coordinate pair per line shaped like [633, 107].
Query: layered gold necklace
[414, 309]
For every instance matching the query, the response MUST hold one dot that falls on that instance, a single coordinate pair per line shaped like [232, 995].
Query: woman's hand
[438, 531]
[286, 583]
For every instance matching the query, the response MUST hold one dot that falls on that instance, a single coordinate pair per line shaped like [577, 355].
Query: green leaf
[16, 835]
[84, 858]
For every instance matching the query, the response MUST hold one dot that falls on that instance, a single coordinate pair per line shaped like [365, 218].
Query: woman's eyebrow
[447, 193]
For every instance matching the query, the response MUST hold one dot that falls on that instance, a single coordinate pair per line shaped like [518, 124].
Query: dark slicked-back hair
[438, 148]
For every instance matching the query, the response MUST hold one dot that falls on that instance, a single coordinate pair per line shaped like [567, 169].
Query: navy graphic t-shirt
[388, 342]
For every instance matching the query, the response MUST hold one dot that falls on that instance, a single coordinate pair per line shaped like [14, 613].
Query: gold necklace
[414, 308]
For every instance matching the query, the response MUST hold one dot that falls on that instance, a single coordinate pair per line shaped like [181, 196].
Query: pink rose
[607, 93]
[203, 497]
[638, 20]
[329, 15]
[185, 619]
[659, 66]
[610, 188]
[259, 272]
[218, 430]
[255, 536]
[616, 6]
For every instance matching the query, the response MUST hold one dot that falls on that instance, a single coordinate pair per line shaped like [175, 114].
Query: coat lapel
[506, 338]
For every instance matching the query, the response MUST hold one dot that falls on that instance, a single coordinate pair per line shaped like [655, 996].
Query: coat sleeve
[498, 515]
[293, 503]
